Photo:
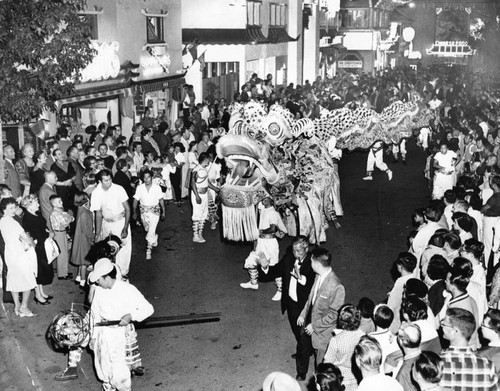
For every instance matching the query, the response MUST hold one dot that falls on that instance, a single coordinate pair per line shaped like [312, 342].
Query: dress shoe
[300, 377]
[294, 356]
[139, 371]
[71, 373]
[49, 297]
[46, 302]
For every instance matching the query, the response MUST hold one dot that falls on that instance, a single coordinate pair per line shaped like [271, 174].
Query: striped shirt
[466, 371]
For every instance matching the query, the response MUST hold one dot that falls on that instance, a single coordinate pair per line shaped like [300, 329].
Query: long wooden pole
[167, 321]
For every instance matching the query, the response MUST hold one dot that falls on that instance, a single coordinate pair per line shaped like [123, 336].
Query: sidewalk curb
[10, 376]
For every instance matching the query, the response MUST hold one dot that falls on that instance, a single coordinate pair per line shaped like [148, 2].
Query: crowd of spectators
[448, 287]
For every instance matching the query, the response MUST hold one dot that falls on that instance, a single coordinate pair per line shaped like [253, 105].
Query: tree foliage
[43, 46]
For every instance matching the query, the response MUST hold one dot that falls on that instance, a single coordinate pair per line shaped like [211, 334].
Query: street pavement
[252, 338]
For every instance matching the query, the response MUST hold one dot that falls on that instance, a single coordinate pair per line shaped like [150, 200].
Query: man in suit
[321, 309]
[298, 279]
[11, 175]
[46, 191]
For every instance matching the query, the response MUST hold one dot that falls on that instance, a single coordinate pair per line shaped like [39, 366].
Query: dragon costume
[296, 161]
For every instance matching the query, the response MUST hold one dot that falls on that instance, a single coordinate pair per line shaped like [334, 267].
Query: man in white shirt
[368, 357]
[152, 207]
[424, 234]
[119, 301]
[110, 203]
[406, 264]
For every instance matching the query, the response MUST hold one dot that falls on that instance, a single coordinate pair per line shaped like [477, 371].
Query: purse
[51, 249]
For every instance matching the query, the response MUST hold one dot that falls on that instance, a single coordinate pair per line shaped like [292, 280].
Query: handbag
[51, 249]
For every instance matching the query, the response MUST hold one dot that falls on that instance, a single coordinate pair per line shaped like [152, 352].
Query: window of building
[91, 21]
[277, 14]
[154, 29]
[354, 18]
[223, 68]
[253, 13]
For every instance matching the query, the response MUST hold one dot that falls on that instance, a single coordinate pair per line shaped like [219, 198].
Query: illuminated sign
[155, 61]
[450, 49]
[106, 63]
[350, 64]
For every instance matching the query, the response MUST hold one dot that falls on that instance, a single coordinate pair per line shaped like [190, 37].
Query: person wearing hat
[280, 381]
[114, 300]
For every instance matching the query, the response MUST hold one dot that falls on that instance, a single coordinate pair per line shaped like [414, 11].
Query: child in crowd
[60, 221]
[366, 307]
[138, 158]
[84, 234]
[176, 177]
[168, 168]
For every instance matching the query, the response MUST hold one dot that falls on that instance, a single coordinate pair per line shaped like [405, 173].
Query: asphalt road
[252, 338]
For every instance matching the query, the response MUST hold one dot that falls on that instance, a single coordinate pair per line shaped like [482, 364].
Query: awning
[126, 92]
[160, 83]
[280, 35]
[251, 35]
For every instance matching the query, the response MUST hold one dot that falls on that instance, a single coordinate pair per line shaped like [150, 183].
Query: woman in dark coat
[36, 226]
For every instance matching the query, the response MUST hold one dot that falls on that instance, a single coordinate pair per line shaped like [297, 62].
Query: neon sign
[105, 65]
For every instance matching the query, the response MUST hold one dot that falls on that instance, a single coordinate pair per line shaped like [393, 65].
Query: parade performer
[152, 207]
[444, 162]
[214, 171]
[399, 148]
[376, 158]
[199, 196]
[270, 227]
[114, 300]
[109, 201]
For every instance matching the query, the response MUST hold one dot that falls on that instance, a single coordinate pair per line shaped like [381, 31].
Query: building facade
[236, 38]
[443, 30]
[138, 64]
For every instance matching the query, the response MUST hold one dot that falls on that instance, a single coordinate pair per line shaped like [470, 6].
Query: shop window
[154, 28]
[356, 18]
[223, 68]
[230, 67]
[91, 21]
[253, 13]
[206, 68]
[215, 69]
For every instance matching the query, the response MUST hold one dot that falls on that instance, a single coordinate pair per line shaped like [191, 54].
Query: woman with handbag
[20, 258]
[36, 226]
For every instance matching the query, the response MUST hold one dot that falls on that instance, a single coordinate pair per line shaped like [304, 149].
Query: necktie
[292, 288]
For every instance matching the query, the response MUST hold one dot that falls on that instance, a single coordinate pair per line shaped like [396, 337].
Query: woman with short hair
[36, 226]
[342, 344]
[20, 257]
